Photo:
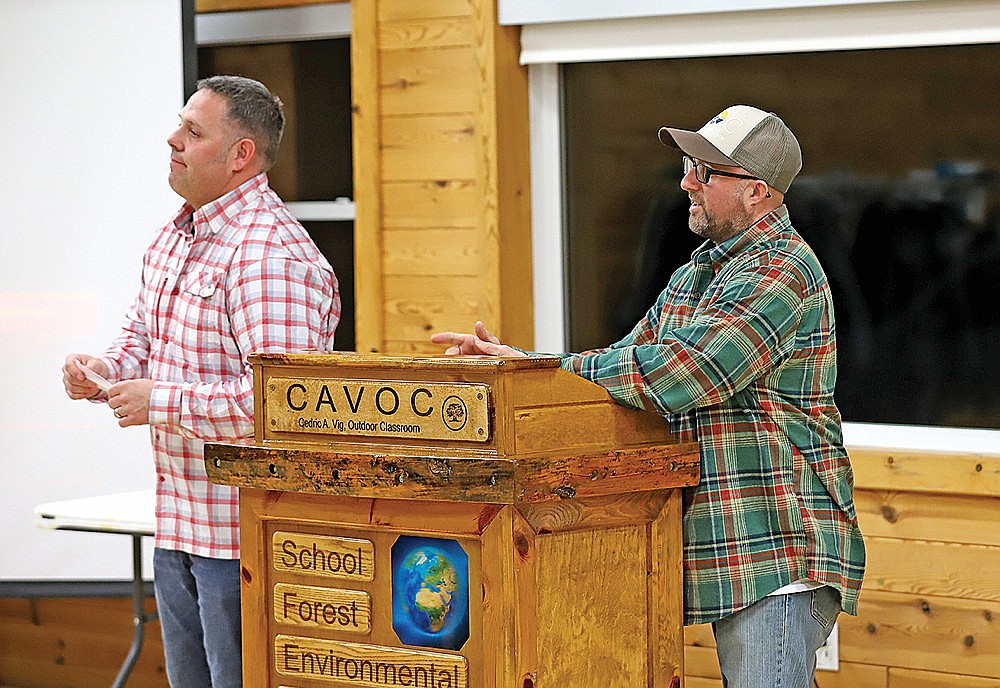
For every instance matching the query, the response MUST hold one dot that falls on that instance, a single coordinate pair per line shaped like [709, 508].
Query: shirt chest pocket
[200, 308]
[202, 284]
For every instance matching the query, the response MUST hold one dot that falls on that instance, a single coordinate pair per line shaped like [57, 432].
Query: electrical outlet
[828, 656]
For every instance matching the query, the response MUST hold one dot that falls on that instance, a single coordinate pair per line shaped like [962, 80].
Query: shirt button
[161, 478]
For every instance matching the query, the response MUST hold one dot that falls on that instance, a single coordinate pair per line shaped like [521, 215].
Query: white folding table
[125, 513]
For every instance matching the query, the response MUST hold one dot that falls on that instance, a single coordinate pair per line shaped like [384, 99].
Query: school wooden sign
[456, 522]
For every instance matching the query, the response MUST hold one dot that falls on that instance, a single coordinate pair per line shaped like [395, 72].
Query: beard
[716, 229]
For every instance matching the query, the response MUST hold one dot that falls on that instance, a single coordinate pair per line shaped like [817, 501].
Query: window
[899, 196]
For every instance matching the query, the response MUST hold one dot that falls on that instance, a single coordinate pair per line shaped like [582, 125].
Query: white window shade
[801, 29]
[534, 12]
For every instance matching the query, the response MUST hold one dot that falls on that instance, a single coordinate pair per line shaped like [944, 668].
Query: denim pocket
[825, 605]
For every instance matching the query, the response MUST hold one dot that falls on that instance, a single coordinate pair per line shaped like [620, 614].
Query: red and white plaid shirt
[237, 276]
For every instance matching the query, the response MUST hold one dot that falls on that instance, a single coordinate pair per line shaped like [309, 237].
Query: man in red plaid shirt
[739, 353]
[232, 273]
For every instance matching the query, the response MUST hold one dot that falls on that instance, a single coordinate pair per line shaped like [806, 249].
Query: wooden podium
[463, 522]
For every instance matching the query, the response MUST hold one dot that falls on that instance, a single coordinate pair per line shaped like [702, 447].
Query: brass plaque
[370, 666]
[330, 608]
[316, 555]
[378, 408]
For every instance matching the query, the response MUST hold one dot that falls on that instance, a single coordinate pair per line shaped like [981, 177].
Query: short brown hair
[257, 113]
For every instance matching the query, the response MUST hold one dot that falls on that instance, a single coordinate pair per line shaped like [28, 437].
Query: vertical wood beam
[665, 595]
[509, 611]
[253, 567]
[503, 178]
[366, 115]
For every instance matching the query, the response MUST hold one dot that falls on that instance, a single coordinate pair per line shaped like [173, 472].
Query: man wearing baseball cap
[739, 354]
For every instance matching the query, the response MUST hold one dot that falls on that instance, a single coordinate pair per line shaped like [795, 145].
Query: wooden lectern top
[461, 428]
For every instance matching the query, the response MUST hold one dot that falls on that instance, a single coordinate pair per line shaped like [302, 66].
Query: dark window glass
[899, 196]
[313, 80]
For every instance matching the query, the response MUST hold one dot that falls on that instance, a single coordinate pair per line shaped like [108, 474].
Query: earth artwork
[430, 592]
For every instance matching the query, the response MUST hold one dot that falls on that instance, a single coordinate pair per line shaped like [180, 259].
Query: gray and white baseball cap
[746, 137]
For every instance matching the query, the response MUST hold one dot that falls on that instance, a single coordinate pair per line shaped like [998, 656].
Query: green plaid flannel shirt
[739, 353]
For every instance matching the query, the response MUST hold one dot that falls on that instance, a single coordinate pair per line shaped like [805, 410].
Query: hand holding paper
[103, 384]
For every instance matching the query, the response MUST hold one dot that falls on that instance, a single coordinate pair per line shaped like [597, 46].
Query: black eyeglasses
[703, 172]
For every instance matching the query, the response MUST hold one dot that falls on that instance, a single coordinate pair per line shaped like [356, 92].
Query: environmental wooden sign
[378, 408]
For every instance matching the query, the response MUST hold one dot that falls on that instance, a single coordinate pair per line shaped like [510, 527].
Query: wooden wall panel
[452, 150]
[438, 203]
[421, 9]
[416, 82]
[945, 518]
[911, 471]
[940, 569]
[940, 634]
[432, 252]
[909, 678]
[702, 662]
[440, 32]
[699, 682]
[429, 147]
[74, 643]
[417, 305]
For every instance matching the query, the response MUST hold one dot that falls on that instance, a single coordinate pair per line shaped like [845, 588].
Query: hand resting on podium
[482, 342]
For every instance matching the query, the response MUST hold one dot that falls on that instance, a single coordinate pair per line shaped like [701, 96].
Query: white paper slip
[94, 377]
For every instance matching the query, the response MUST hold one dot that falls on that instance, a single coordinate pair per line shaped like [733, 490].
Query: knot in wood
[565, 491]
[889, 514]
[521, 545]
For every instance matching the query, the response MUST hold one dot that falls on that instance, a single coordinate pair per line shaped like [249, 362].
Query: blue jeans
[773, 642]
[198, 602]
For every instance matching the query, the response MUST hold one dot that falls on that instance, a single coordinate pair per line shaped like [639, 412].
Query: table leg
[139, 616]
